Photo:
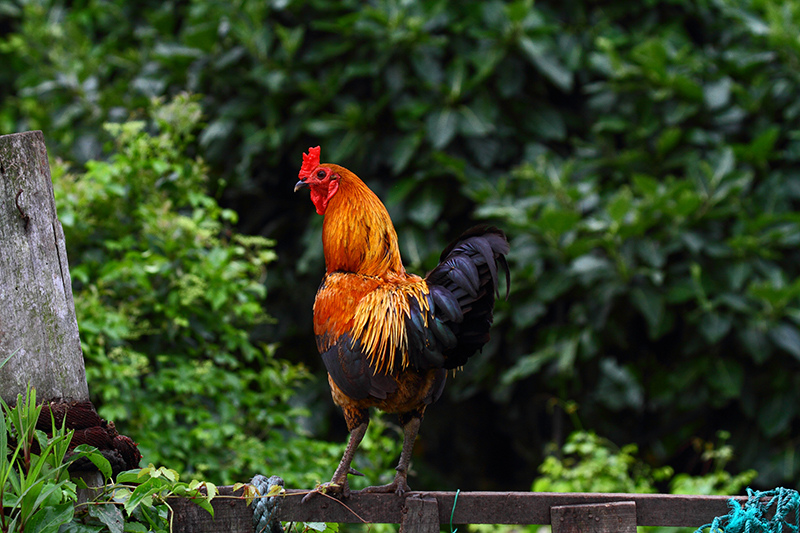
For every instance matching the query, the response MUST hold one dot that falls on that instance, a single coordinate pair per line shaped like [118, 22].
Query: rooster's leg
[338, 483]
[340, 475]
[400, 483]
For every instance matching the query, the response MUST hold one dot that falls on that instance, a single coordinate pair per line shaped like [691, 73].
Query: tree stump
[39, 341]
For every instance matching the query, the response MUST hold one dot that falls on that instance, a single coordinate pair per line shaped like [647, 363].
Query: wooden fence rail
[423, 512]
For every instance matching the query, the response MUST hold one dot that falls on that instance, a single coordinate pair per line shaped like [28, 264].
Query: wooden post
[421, 515]
[39, 340]
[617, 517]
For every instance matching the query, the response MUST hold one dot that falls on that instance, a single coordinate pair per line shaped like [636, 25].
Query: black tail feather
[463, 287]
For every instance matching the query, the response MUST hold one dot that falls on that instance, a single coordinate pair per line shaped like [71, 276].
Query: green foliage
[143, 494]
[36, 494]
[716, 480]
[166, 294]
[589, 463]
[655, 260]
[642, 157]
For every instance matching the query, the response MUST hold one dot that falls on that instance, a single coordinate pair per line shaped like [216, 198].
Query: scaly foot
[399, 486]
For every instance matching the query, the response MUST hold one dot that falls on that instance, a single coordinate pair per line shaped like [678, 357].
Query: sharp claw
[342, 490]
[399, 488]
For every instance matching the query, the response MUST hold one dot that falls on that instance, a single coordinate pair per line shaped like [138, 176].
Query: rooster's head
[322, 180]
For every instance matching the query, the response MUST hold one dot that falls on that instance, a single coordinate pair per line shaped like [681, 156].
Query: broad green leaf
[49, 519]
[725, 164]
[714, 326]
[110, 515]
[651, 304]
[545, 60]
[728, 378]
[426, 206]
[78, 527]
[620, 205]
[645, 185]
[404, 150]
[552, 285]
[717, 94]
[135, 527]
[546, 123]
[143, 494]
[204, 504]
[652, 55]
[442, 127]
[651, 252]
[761, 149]
[756, 343]
[618, 388]
[687, 87]
[96, 458]
[668, 140]
[211, 490]
[558, 221]
[567, 351]
[776, 412]
[786, 337]
[590, 264]
[528, 365]
[129, 476]
[472, 124]
[528, 313]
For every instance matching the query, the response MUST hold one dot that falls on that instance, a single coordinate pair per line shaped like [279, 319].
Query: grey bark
[39, 339]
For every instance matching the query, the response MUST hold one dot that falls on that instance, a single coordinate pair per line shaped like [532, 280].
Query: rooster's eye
[321, 174]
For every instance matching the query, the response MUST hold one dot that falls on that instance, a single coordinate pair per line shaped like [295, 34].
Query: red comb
[310, 161]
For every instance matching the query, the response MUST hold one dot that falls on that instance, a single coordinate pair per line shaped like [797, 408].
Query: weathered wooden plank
[38, 329]
[506, 507]
[375, 508]
[231, 515]
[471, 508]
[421, 515]
[615, 517]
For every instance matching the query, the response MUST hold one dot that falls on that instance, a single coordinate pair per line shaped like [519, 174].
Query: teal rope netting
[751, 517]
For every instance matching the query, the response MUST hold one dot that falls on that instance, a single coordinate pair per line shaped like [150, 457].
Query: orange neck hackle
[357, 234]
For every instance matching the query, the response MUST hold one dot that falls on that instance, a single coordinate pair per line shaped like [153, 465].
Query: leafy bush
[166, 294]
[657, 259]
[666, 266]
[36, 494]
[588, 463]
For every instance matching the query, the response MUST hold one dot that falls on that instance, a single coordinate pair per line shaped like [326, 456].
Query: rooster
[387, 337]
